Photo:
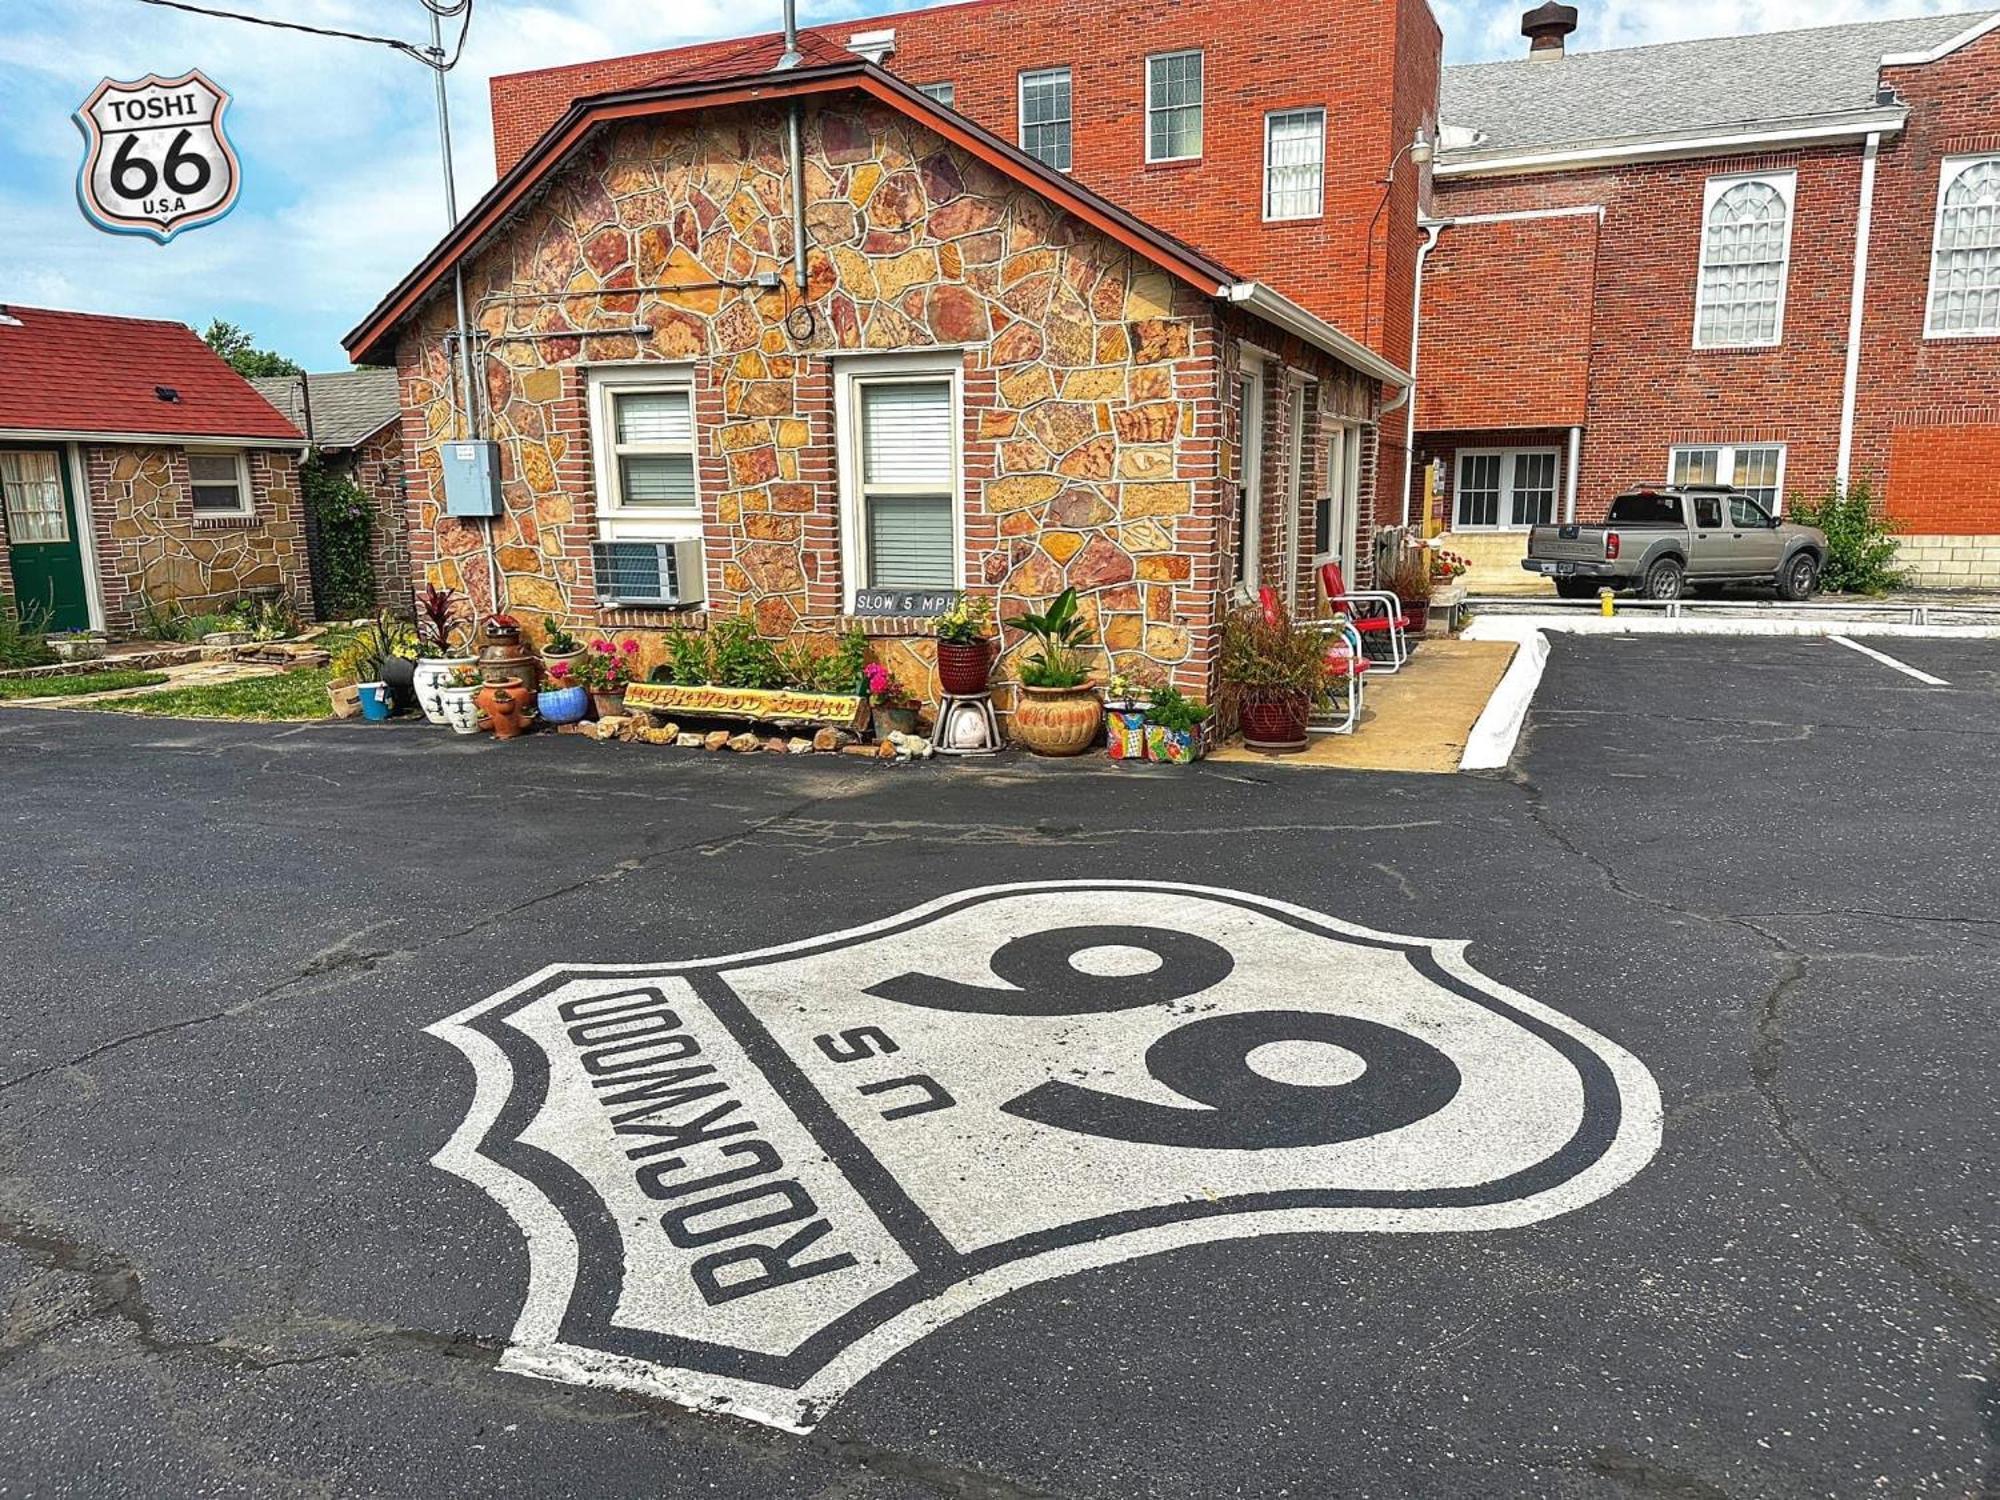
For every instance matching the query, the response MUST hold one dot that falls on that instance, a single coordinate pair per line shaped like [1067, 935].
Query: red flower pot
[964, 667]
[1274, 723]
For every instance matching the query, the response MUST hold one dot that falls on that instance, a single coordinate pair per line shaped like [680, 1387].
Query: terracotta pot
[503, 657]
[1418, 613]
[1057, 721]
[607, 705]
[1274, 723]
[508, 704]
[964, 667]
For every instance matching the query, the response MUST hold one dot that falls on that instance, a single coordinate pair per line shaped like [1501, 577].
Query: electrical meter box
[471, 478]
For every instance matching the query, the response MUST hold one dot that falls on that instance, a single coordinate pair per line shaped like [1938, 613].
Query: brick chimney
[1545, 27]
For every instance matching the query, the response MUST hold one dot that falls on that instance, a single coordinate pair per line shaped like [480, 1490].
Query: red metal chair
[1376, 614]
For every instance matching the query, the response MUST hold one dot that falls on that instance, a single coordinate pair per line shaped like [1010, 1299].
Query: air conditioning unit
[649, 574]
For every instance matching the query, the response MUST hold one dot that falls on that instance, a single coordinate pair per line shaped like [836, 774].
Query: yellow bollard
[1605, 604]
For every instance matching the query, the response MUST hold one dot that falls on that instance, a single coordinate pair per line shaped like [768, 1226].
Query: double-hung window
[1746, 246]
[219, 482]
[1756, 469]
[944, 93]
[900, 473]
[1045, 116]
[642, 430]
[1173, 106]
[1965, 257]
[1294, 163]
[1506, 489]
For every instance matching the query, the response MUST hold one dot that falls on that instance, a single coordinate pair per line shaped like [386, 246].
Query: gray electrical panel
[471, 478]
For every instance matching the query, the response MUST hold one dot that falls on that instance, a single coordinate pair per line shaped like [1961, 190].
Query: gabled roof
[73, 374]
[345, 409]
[744, 75]
[1714, 86]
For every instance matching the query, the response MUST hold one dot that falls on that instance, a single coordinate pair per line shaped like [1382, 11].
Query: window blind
[665, 479]
[906, 434]
[909, 542]
[653, 417]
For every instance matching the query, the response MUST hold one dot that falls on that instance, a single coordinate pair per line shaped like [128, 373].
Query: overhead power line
[424, 55]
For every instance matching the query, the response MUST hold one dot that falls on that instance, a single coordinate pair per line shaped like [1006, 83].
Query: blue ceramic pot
[563, 705]
[375, 701]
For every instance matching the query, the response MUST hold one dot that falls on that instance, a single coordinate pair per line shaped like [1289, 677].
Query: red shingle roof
[81, 372]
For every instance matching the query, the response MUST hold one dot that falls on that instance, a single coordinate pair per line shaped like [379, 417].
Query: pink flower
[628, 646]
[601, 645]
[559, 669]
[876, 676]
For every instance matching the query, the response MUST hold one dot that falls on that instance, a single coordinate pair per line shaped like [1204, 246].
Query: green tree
[238, 347]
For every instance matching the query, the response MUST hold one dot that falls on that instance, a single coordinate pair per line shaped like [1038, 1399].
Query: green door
[42, 542]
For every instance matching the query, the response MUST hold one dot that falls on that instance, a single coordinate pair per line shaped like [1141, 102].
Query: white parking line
[1889, 661]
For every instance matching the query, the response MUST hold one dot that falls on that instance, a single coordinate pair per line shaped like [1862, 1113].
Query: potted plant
[563, 700]
[441, 621]
[1059, 712]
[1448, 570]
[1174, 728]
[558, 645]
[508, 705]
[1127, 697]
[389, 648]
[1411, 584]
[964, 649]
[503, 655]
[79, 645]
[458, 696]
[1273, 670]
[895, 711]
[605, 671]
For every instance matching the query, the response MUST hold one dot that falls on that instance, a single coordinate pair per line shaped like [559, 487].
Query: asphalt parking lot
[1763, 871]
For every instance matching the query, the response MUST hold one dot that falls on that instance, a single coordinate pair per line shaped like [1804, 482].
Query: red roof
[83, 373]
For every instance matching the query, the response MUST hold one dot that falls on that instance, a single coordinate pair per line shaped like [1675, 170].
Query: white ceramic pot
[429, 679]
[460, 711]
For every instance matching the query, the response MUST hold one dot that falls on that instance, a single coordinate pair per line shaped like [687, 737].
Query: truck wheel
[1800, 578]
[1576, 588]
[1664, 579]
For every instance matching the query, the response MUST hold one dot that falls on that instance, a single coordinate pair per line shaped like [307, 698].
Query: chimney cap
[1546, 25]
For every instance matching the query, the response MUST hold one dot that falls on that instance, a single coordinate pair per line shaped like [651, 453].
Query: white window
[31, 485]
[1294, 163]
[1756, 469]
[900, 473]
[642, 433]
[1045, 116]
[1965, 259]
[1173, 106]
[220, 482]
[945, 93]
[1506, 489]
[1746, 245]
[1334, 513]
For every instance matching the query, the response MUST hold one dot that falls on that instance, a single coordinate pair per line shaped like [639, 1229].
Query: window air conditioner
[649, 574]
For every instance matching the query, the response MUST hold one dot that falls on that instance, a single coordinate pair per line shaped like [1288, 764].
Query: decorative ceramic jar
[550, 658]
[1274, 723]
[508, 704]
[1057, 720]
[563, 705]
[964, 667]
[461, 709]
[504, 656]
[429, 679]
[375, 704]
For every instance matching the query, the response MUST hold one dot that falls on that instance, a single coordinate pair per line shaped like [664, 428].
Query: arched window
[1965, 266]
[1746, 238]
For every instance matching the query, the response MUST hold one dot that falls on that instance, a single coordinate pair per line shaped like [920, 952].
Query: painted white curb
[1491, 743]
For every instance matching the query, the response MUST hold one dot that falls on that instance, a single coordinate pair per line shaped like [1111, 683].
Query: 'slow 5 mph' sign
[157, 160]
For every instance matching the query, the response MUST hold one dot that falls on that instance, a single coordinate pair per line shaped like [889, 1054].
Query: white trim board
[1855, 126]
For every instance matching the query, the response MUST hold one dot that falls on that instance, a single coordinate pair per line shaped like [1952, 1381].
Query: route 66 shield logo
[156, 159]
[745, 1182]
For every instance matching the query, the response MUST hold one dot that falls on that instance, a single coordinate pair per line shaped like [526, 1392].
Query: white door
[1295, 453]
[1250, 471]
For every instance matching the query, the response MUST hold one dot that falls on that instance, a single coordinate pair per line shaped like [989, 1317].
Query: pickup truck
[1658, 541]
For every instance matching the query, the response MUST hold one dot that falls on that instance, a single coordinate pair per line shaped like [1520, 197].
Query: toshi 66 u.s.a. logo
[156, 158]
[747, 1181]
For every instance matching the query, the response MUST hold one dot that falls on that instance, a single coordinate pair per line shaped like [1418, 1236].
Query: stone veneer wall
[377, 467]
[1095, 398]
[149, 541]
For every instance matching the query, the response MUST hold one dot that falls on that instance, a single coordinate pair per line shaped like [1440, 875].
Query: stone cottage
[967, 373]
[136, 466]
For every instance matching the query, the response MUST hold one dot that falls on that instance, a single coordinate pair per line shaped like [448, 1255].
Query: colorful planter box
[1174, 747]
[1125, 730]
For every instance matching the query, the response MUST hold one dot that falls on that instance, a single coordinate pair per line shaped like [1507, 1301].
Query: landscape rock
[715, 739]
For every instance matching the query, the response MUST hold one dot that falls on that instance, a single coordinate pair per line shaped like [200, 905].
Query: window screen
[216, 480]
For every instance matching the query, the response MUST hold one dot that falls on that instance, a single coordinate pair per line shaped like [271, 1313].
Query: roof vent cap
[7, 318]
[873, 45]
[166, 393]
[1545, 27]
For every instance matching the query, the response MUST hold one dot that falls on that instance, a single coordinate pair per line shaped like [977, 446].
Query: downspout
[1575, 462]
[1431, 233]
[791, 59]
[1856, 305]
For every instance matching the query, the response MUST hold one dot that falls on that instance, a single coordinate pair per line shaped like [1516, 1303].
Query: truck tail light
[1610, 546]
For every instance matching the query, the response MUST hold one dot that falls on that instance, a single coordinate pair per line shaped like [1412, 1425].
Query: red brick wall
[1941, 476]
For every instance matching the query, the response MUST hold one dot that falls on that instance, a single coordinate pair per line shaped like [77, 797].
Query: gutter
[158, 439]
[1864, 222]
[1853, 125]
[1282, 312]
[1431, 233]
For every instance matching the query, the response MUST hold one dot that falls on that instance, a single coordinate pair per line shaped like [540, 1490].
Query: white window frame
[246, 504]
[944, 92]
[623, 523]
[1319, 207]
[1725, 465]
[1343, 442]
[1504, 508]
[1948, 171]
[1021, 82]
[851, 375]
[1786, 184]
[1200, 105]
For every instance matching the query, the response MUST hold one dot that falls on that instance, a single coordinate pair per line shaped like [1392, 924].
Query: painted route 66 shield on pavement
[156, 160]
[745, 1182]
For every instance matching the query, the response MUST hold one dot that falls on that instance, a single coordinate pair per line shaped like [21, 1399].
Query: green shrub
[344, 521]
[24, 635]
[1860, 539]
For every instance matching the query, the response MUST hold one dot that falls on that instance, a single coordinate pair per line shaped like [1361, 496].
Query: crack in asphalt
[832, 835]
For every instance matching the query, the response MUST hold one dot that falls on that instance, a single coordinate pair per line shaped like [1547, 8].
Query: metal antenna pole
[465, 368]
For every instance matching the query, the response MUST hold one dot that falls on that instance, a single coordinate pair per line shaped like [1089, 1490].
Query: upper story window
[1294, 163]
[220, 483]
[945, 93]
[900, 467]
[1173, 106]
[1745, 244]
[1045, 116]
[1965, 260]
[1756, 469]
[642, 432]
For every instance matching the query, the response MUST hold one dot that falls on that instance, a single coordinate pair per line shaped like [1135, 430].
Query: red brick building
[1772, 260]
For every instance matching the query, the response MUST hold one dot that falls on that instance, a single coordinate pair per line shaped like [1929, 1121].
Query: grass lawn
[288, 697]
[69, 683]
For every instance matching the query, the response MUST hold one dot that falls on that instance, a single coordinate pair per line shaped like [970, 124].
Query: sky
[342, 186]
